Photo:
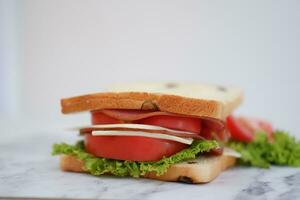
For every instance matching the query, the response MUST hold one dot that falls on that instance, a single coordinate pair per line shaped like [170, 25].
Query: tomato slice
[132, 148]
[174, 122]
[139, 148]
[243, 128]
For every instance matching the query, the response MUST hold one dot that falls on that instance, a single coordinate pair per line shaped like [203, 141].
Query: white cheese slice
[143, 134]
[231, 152]
[133, 126]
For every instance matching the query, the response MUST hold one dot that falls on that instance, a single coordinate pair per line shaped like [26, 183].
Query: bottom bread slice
[201, 170]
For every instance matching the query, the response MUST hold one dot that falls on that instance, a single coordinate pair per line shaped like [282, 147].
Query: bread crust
[136, 100]
[197, 171]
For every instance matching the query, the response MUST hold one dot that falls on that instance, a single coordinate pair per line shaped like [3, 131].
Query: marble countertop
[28, 170]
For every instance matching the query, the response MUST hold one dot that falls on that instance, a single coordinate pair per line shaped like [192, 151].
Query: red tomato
[132, 148]
[243, 129]
[138, 148]
[206, 133]
[174, 122]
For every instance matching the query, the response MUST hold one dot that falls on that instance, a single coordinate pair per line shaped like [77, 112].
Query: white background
[73, 47]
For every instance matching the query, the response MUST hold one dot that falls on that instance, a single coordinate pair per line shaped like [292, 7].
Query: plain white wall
[10, 31]
[73, 47]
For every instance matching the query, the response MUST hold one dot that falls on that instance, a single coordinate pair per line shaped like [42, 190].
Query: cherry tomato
[243, 128]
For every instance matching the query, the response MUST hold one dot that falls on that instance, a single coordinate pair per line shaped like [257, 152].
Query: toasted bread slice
[201, 170]
[188, 99]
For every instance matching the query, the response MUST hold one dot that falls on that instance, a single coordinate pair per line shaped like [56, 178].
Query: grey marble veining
[275, 183]
[28, 170]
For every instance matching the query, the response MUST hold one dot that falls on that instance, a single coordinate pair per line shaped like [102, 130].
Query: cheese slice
[143, 134]
[132, 126]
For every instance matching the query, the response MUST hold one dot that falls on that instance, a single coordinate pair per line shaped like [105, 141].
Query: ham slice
[210, 128]
[126, 115]
[133, 115]
[139, 127]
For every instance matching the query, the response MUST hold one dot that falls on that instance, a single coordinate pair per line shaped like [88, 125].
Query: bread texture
[181, 98]
[201, 170]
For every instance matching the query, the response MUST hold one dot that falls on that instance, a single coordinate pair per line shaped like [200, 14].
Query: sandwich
[166, 131]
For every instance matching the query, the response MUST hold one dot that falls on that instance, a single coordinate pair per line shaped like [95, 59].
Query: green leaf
[283, 150]
[98, 166]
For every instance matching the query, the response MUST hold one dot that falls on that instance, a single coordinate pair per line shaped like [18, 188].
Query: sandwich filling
[143, 141]
[144, 135]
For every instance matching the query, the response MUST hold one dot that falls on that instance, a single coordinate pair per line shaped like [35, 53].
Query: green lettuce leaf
[284, 150]
[98, 166]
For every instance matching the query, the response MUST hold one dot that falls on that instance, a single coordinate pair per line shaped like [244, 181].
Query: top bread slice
[200, 100]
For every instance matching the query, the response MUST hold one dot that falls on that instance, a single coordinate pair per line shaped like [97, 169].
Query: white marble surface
[28, 170]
